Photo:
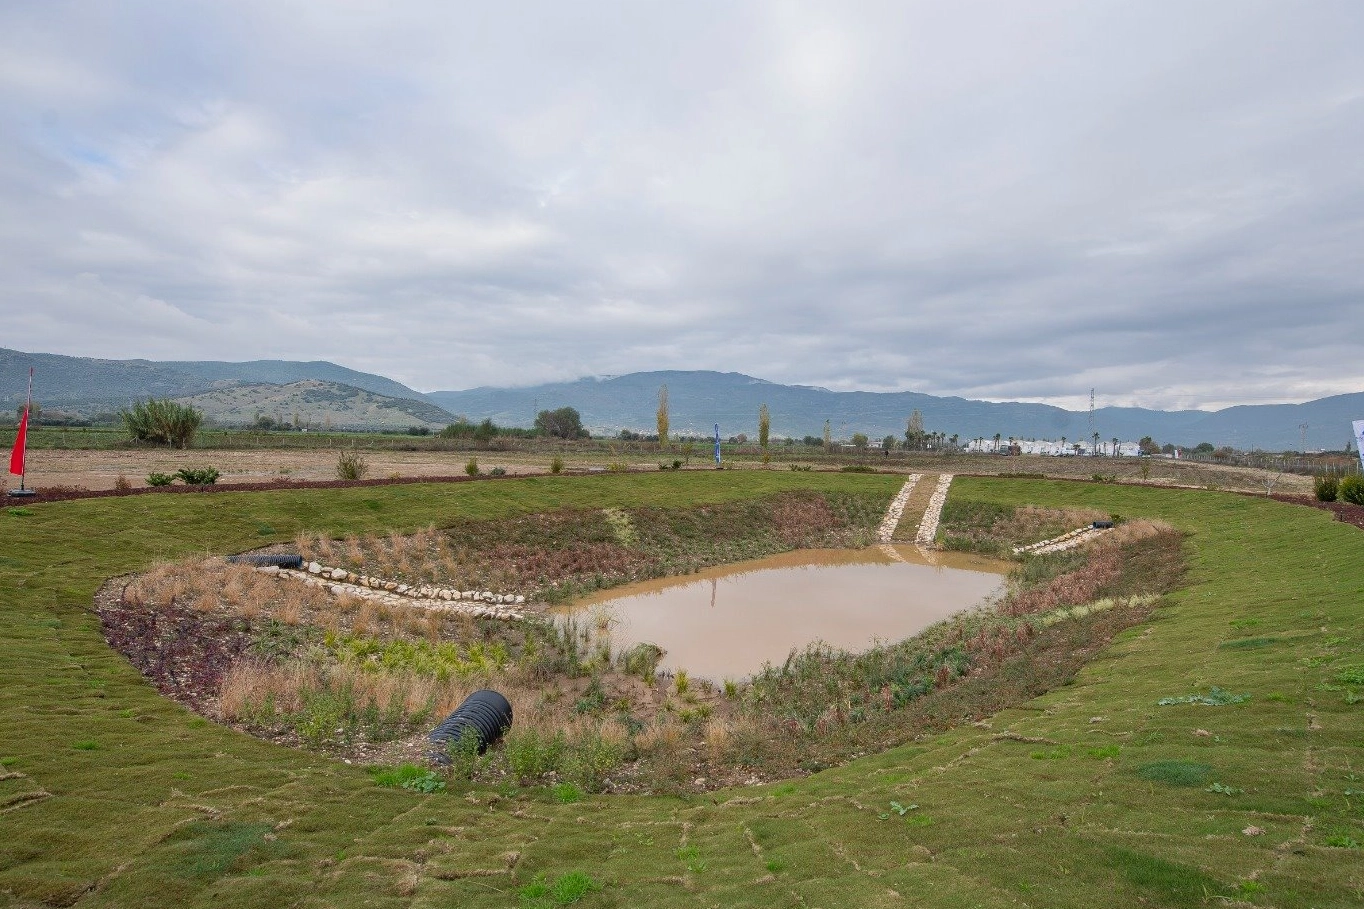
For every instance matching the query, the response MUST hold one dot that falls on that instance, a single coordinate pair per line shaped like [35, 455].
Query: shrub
[498, 472]
[160, 479]
[472, 467]
[1351, 489]
[464, 753]
[858, 468]
[198, 476]
[121, 483]
[1326, 489]
[531, 753]
[351, 466]
[556, 465]
[162, 422]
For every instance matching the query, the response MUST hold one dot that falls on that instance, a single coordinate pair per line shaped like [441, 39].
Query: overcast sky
[1007, 200]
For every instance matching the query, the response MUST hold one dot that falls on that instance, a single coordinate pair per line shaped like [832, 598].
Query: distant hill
[85, 385]
[317, 405]
[699, 399]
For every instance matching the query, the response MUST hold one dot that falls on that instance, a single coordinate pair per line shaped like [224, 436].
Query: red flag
[16, 458]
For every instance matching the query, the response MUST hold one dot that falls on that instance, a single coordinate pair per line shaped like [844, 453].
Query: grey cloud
[987, 199]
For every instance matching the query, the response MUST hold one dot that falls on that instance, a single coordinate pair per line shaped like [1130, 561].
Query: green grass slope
[1091, 796]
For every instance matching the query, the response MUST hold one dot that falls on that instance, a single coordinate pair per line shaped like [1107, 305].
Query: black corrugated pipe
[279, 560]
[485, 711]
[1101, 525]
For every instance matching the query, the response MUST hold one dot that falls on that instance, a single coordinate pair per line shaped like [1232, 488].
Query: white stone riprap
[896, 509]
[1068, 540]
[928, 526]
[339, 581]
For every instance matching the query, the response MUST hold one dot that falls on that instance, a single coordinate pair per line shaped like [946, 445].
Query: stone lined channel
[726, 622]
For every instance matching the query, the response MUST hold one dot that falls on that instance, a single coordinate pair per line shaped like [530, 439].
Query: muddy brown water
[724, 623]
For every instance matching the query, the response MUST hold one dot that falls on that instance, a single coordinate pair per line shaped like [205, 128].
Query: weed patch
[1175, 773]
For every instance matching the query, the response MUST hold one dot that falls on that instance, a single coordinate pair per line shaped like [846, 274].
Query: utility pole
[1093, 433]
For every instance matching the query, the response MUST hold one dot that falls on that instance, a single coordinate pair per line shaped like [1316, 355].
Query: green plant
[411, 777]
[198, 476]
[641, 660]
[1223, 789]
[351, 465]
[1351, 489]
[464, 753]
[565, 890]
[556, 465]
[162, 422]
[857, 468]
[160, 479]
[471, 468]
[566, 793]
[681, 681]
[1351, 675]
[1326, 488]
[86, 746]
[1342, 841]
[498, 472]
[20, 512]
[530, 753]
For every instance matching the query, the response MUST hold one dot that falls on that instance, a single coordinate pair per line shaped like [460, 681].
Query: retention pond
[724, 623]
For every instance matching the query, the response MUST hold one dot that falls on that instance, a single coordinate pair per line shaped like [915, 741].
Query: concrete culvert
[276, 559]
[486, 712]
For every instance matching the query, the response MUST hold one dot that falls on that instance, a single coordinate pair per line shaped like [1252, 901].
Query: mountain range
[319, 392]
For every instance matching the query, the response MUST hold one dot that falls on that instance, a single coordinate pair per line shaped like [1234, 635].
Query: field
[1243, 786]
[95, 459]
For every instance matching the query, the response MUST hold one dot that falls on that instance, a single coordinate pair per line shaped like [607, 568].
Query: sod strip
[1079, 798]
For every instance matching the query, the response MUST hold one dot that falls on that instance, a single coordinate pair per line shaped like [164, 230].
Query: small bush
[463, 753]
[162, 422]
[531, 753]
[858, 468]
[556, 465]
[677, 465]
[1326, 489]
[122, 484]
[351, 466]
[160, 479]
[1351, 489]
[498, 472]
[618, 467]
[472, 467]
[198, 476]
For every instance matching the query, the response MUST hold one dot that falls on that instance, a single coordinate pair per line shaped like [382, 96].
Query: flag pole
[28, 410]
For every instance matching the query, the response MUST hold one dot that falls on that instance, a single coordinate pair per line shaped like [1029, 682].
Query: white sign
[1359, 440]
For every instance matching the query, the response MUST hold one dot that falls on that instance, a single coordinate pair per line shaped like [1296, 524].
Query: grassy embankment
[119, 797]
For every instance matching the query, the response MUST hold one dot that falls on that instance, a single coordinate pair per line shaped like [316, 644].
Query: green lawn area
[1092, 795]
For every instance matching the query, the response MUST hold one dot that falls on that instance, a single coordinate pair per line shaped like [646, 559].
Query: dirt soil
[100, 469]
[93, 469]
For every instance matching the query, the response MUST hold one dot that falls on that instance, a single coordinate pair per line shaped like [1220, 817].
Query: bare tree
[828, 436]
[662, 415]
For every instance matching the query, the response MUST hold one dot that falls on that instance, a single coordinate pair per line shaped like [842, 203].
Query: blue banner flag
[717, 444]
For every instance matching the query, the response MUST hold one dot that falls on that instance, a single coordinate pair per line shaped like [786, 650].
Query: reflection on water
[726, 622]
